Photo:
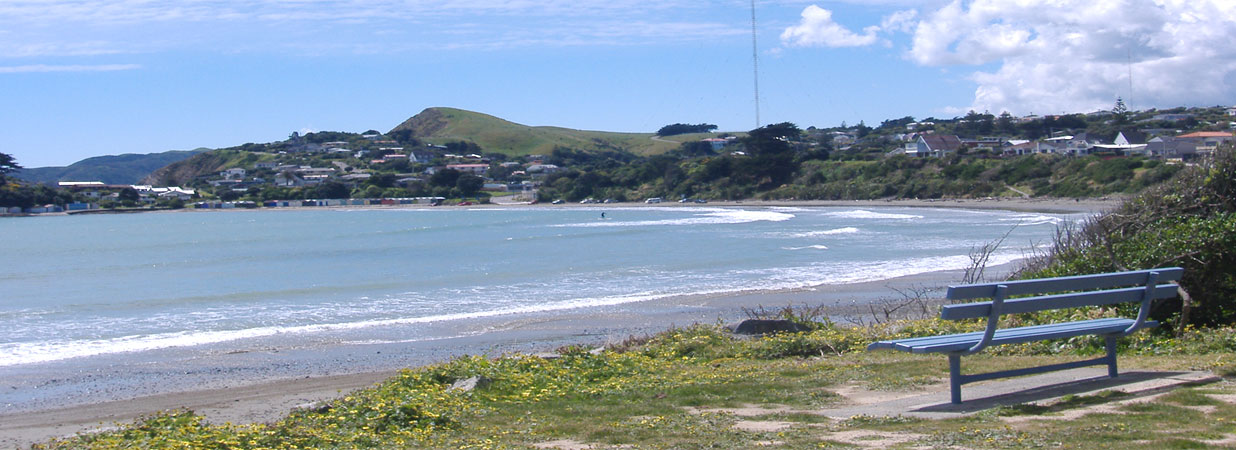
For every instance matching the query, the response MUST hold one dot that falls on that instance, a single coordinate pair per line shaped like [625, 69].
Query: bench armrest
[993, 321]
[1152, 282]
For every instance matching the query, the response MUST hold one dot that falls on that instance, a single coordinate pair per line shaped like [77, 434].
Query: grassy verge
[701, 388]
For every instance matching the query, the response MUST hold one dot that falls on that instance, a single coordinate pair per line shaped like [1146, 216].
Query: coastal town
[388, 169]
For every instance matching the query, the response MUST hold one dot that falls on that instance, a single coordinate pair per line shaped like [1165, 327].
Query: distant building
[1172, 117]
[936, 145]
[1130, 138]
[542, 169]
[716, 144]
[235, 173]
[1167, 147]
[475, 169]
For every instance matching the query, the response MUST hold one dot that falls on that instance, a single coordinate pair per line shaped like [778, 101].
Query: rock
[316, 407]
[765, 326]
[470, 384]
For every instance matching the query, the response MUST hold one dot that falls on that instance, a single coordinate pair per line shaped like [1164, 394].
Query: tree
[7, 165]
[682, 128]
[383, 180]
[331, 189]
[1005, 125]
[445, 178]
[773, 159]
[469, 185]
[128, 195]
[772, 139]
[1120, 111]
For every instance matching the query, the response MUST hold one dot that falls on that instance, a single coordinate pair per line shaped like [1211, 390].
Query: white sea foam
[832, 232]
[708, 217]
[864, 214]
[1033, 219]
[811, 247]
[47, 351]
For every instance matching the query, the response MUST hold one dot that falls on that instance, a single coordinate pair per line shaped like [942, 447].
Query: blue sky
[81, 78]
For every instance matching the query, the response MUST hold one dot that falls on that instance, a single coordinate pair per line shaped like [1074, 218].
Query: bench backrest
[1063, 292]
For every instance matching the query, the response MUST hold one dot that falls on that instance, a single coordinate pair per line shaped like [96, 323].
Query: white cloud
[41, 68]
[41, 28]
[1052, 56]
[1076, 55]
[817, 29]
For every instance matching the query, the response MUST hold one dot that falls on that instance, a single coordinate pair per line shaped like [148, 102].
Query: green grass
[443, 125]
[677, 390]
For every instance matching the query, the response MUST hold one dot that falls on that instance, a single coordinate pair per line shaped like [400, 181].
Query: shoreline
[238, 397]
[1039, 205]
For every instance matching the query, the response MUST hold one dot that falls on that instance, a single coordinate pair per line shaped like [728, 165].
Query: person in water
[602, 214]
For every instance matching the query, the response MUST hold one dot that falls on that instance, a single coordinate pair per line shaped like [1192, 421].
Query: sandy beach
[264, 384]
[248, 400]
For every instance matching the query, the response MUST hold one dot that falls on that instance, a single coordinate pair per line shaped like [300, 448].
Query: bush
[1189, 221]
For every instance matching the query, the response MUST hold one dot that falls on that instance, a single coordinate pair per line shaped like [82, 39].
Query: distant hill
[128, 168]
[182, 172]
[443, 125]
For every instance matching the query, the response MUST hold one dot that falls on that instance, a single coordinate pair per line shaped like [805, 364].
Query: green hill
[113, 169]
[443, 125]
[182, 172]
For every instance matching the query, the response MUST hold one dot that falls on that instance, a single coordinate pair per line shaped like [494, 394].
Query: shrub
[1189, 221]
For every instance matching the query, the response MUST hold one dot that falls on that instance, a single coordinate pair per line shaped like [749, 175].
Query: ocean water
[102, 286]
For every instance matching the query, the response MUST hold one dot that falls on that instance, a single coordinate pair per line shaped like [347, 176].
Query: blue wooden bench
[1041, 295]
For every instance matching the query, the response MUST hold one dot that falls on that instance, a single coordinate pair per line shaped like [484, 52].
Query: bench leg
[954, 377]
[1111, 355]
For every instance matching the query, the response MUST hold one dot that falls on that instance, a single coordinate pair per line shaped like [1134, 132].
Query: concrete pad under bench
[1036, 389]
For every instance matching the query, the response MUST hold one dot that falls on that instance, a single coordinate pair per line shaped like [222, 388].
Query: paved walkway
[1037, 389]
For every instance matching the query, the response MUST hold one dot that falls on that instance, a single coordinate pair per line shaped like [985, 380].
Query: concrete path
[1036, 389]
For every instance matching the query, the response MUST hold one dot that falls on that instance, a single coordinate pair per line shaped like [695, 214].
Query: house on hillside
[1208, 141]
[1080, 144]
[235, 173]
[1018, 148]
[1212, 138]
[542, 169]
[285, 179]
[1126, 138]
[1167, 147]
[475, 169]
[935, 145]
[716, 143]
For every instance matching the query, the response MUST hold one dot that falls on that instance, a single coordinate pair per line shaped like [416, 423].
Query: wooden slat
[975, 336]
[1030, 331]
[1058, 301]
[1063, 284]
[962, 341]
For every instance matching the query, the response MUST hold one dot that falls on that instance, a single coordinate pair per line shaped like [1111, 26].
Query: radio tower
[755, 64]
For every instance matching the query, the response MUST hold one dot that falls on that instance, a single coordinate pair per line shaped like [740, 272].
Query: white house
[475, 169]
[235, 173]
[936, 145]
[542, 169]
[288, 180]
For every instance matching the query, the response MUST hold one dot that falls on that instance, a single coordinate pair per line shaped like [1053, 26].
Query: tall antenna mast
[1130, 75]
[755, 64]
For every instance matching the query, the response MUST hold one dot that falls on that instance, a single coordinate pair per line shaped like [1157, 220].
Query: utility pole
[755, 64]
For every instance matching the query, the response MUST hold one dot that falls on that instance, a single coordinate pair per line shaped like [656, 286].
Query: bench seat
[963, 341]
